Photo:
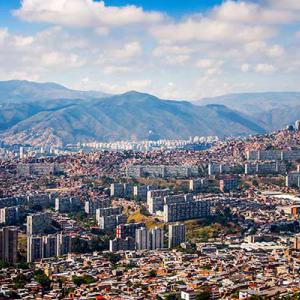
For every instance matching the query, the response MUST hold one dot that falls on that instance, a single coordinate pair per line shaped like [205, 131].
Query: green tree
[40, 277]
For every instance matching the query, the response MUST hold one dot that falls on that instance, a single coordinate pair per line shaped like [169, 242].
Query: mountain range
[50, 114]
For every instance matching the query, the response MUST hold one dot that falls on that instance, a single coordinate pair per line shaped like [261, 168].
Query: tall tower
[9, 244]
[157, 238]
[142, 239]
[177, 235]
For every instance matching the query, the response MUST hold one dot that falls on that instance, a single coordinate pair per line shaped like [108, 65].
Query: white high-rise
[157, 238]
[142, 239]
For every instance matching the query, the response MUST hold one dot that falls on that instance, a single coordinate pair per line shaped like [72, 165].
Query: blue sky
[173, 49]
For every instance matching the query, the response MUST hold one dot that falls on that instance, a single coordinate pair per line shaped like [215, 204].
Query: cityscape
[159, 224]
[149, 150]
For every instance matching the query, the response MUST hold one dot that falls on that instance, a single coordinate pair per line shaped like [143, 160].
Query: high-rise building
[177, 235]
[9, 244]
[50, 245]
[38, 223]
[119, 244]
[91, 206]
[68, 204]
[198, 185]
[111, 222]
[228, 183]
[35, 248]
[63, 244]
[187, 210]
[128, 230]
[157, 238]
[44, 246]
[11, 215]
[117, 190]
[142, 239]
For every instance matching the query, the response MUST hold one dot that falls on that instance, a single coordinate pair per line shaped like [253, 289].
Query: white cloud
[83, 13]
[210, 30]
[3, 34]
[245, 68]
[246, 12]
[285, 4]
[116, 69]
[276, 51]
[130, 50]
[138, 84]
[265, 68]
[114, 48]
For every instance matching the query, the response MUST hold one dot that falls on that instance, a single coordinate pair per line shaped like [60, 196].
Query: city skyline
[174, 51]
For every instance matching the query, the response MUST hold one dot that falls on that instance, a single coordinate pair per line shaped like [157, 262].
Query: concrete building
[128, 190]
[9, 244]
[68, 204]
[111, 222]
[187, 210]
[45, 246]
[91, 206]
[296, 242]
[117, 190]
[38, 223]
[198, 185]
[63, 244]
[142, 239]
[128, 230]
[38, 169]
[177, 235]
[273, 167]
[140, 191]
[108, 211]
[155, 199]
[12, 215]
[50, 245]
[216, 168]
[293, 179]
[157, 238]
[228, 183]
[35, 249]
[162, 171]
[119, 244]
[256, 155]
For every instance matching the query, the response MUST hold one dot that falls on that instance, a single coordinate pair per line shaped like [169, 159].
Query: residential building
[177, 234]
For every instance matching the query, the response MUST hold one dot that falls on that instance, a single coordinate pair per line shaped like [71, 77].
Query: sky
[173, 49]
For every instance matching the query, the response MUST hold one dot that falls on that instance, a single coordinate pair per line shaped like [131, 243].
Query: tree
[153, 273]
[172, 296]
[40, 277]
[85, 279]
[205, 295]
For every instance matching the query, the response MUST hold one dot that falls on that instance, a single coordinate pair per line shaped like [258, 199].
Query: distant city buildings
[45, 246]
[9, 244]
[68, 204]
[228, 184]
[12, 215]
[177, 235]
[186, 210]
[293, 179]
[162, 171]
[269, 155]
[38, 223]
[273, 167]
[38, 169]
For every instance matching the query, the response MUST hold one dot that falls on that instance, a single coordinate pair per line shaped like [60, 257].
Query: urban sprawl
[202, 218]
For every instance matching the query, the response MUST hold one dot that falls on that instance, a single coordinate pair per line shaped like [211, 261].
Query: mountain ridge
[42, 116]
